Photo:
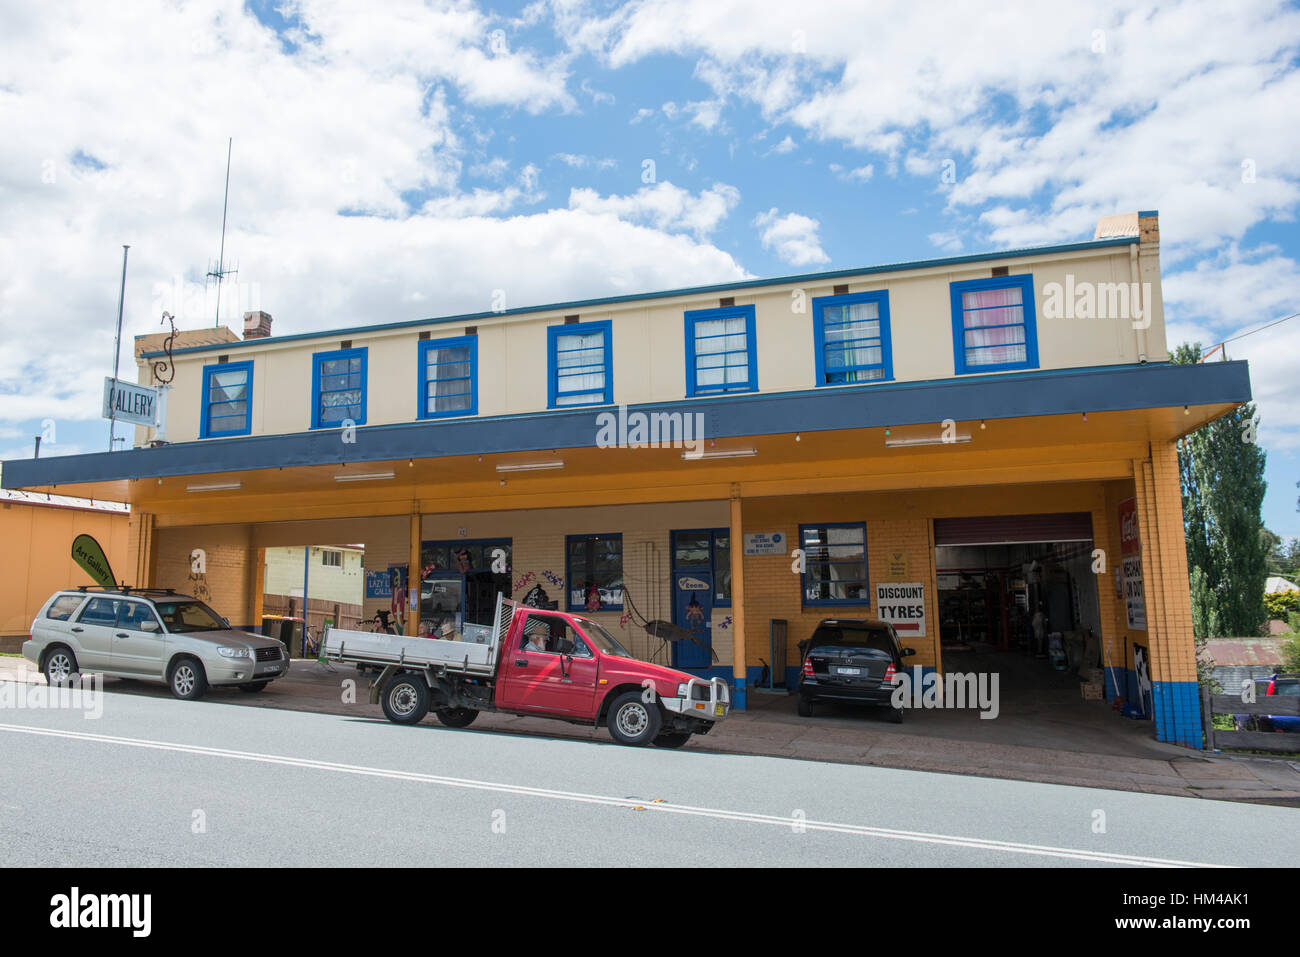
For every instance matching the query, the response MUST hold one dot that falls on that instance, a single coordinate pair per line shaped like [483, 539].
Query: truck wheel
[672, 739]
[405, 699]
[187, 680]
[632, 721]
[60, 666]
[456, 717]
[805, 707]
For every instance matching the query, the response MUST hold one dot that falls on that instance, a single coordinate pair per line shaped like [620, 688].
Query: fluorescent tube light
[363, 476]
[529, 466]
[926, 440]
[720, 454]
[214, 487]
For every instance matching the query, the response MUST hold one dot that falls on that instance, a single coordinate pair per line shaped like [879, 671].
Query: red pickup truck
[534, 662]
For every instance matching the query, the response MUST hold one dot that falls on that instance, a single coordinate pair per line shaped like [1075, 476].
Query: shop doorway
[701, 576]
[459, 582]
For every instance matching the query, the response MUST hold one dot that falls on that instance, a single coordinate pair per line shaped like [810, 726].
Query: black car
[851, 659]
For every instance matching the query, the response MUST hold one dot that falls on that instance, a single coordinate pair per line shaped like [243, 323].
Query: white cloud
[948, 242]
[793, 237]
[579, 161]
[859, 174]
[787, 145]
[664, 206]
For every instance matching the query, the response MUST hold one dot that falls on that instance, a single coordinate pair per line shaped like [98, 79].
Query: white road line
[987, 844]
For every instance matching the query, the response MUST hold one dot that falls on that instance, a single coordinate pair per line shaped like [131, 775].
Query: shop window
[594, 572]
[448, 377]
[227, 400]
[852, 338]
[706, 549]
[721, 352]
[580, 368]
[835, 564]
[338, 388]
[994, 325]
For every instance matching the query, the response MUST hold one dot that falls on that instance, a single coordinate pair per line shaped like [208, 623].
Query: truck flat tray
[363, 647]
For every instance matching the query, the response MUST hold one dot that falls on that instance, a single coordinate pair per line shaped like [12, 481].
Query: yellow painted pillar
[1167, 593]
[413, 578]
[739, 663]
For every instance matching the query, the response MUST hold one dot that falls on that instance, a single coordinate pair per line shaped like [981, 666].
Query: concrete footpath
[1058, 741]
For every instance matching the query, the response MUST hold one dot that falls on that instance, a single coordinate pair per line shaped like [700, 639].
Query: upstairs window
[227, 400]
[993, 324]
[449, 377]
[852, 338]
[580, 366]
[720, 351]
[338, 388]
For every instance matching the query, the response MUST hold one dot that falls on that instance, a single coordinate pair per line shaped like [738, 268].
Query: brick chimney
[257, 325]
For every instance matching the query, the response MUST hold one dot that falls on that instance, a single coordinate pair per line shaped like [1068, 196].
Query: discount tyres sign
[902, 604]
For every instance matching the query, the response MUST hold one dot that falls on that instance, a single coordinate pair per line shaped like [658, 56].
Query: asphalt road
[156, 781]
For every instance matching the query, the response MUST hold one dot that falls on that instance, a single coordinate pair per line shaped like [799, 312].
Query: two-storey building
[962, 445]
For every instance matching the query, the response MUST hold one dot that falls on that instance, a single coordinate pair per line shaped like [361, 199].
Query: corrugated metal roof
[1245, 652]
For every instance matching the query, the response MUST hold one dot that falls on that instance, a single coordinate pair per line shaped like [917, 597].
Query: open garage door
[1014, 529]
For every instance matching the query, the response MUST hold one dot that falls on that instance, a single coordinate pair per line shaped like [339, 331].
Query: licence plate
[719, 710]
[848, 671]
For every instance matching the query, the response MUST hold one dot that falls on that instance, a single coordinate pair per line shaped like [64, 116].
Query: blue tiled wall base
[1177, 707]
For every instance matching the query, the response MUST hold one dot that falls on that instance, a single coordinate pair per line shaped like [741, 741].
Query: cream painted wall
[649, 349]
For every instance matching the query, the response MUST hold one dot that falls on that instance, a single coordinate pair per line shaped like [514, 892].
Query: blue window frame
[994, 327]
[706, 548]
[227, 400]
[835, 564]
[448, 377]
[338, 389]
[721, 353]
[580, 368]
[593, 562]
[851, 333]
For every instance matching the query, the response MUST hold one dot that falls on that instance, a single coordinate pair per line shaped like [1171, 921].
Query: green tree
[1221, 471]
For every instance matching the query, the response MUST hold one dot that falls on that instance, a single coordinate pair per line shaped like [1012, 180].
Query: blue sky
[408, 162]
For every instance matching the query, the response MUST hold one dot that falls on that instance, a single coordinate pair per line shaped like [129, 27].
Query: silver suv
[152, 635]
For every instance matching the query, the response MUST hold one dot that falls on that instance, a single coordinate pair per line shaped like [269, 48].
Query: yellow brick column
[739, 663]
[1176, 700]
[140, 550]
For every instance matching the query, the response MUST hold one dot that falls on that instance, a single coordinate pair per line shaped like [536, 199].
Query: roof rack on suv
[127, 589]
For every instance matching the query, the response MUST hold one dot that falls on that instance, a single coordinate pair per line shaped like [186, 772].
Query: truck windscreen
[602, 639]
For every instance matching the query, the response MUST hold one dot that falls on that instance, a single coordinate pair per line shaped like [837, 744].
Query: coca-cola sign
[1130, 541]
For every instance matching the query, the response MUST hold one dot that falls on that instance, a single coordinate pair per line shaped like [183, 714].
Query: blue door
[693, 610]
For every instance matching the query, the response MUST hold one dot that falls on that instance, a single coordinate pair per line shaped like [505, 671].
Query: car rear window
[877, 639]
[1287, 686]
[61, 608]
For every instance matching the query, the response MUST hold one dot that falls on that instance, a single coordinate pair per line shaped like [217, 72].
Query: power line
[1251, 332]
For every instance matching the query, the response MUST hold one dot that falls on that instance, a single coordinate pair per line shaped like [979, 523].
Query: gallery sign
[128, 402]
[902, 604]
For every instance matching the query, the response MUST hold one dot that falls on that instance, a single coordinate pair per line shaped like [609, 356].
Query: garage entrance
[1022, 586]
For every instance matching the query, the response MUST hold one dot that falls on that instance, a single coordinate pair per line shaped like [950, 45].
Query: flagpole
[117, 355]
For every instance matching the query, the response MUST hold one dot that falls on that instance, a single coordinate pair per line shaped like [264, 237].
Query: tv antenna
[221, 272]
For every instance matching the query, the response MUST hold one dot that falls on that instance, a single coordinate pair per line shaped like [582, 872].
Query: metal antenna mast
[221, 272]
